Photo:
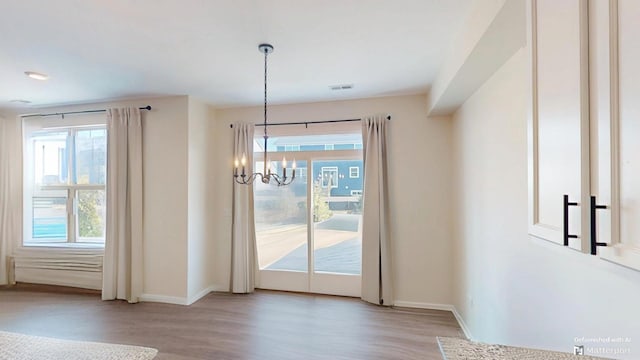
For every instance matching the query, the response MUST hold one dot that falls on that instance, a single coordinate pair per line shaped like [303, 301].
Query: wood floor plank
[263, 325]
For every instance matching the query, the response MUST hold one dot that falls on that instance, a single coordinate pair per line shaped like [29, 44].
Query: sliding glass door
[309, 234]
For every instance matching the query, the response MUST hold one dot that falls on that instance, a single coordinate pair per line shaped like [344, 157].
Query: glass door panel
[337, 216]
[281, 223]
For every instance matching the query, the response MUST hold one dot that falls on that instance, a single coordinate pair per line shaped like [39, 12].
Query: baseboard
[444, 307]
[421, 305]
[463, 325]
[176, 300]
[203, 293]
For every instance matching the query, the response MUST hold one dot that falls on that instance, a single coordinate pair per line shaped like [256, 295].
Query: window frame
[31, 129]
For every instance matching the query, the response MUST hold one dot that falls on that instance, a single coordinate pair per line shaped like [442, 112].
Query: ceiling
[102, 50]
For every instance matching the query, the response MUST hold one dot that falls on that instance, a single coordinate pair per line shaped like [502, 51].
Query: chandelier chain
[265, 97]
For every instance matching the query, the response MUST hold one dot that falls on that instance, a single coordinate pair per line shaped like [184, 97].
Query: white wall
[165, 158]
[418, 152]
[478, 19]
[509, 287]
[201, 201]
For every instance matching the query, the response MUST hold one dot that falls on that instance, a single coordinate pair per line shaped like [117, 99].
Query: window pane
[281, 223]
[337, 216]
[91, 215]
[90, 156]
[49, 219]
[50, 165]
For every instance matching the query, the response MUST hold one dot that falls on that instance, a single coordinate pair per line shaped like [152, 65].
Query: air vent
[341, 87]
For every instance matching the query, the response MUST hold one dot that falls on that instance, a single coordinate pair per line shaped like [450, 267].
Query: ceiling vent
[341, 87]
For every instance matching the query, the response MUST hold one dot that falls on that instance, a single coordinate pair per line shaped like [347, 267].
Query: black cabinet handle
[565, 232]
[594, 230]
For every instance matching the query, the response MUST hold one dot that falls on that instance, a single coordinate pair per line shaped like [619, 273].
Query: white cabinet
[584, 126]
[559, 122]
[615, 94]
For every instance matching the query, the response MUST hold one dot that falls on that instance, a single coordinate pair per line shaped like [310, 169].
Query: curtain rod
[148, 107]
[306, 123]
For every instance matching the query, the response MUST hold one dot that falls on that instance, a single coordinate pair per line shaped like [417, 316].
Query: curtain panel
[10, 192]
[377, 279]
[123, 257]
[243, 234]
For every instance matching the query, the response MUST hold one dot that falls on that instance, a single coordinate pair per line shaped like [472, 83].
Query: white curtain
[122, 271]
[377, 286]
[243, 235]
[10, 192]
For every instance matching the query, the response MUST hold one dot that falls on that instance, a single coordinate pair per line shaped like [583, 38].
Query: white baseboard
[444, 307]
[421, 305]
[177, 300]
[203, 293]
[463, 325]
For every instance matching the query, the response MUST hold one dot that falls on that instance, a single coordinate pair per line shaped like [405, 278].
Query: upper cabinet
[615, 120]
[559, 122]
[584, 126]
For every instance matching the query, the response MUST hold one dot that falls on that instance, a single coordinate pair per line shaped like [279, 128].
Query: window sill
[64, 245]
[61, 248]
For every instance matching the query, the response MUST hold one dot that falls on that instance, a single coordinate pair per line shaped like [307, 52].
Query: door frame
[311, 281]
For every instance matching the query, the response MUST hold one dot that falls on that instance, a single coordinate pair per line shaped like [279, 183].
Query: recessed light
[20, 101]
[36, 75]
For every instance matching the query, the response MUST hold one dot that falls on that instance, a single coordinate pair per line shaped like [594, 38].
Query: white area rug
[462, 349]
[25, 347]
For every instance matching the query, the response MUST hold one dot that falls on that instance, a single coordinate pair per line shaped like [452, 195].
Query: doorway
[309, 233]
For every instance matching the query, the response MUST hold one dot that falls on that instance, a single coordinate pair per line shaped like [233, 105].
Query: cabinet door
[559, 120]
[616, 146]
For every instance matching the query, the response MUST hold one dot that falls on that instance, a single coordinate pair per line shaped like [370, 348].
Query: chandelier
[266, 176]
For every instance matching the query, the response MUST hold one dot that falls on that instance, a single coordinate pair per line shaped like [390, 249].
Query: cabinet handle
[594, 230]
[565, 232]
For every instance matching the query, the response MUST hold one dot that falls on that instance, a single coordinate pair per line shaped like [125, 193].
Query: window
[354, 172]
[328, 147]
[329, 176]
[64, 184]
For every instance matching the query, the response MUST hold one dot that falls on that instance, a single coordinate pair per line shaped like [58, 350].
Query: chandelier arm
[282, 181]
[247, 179]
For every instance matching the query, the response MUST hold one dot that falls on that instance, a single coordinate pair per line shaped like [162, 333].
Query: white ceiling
[99, 50]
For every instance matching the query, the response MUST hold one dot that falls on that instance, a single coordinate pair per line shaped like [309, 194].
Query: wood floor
[263, 325]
